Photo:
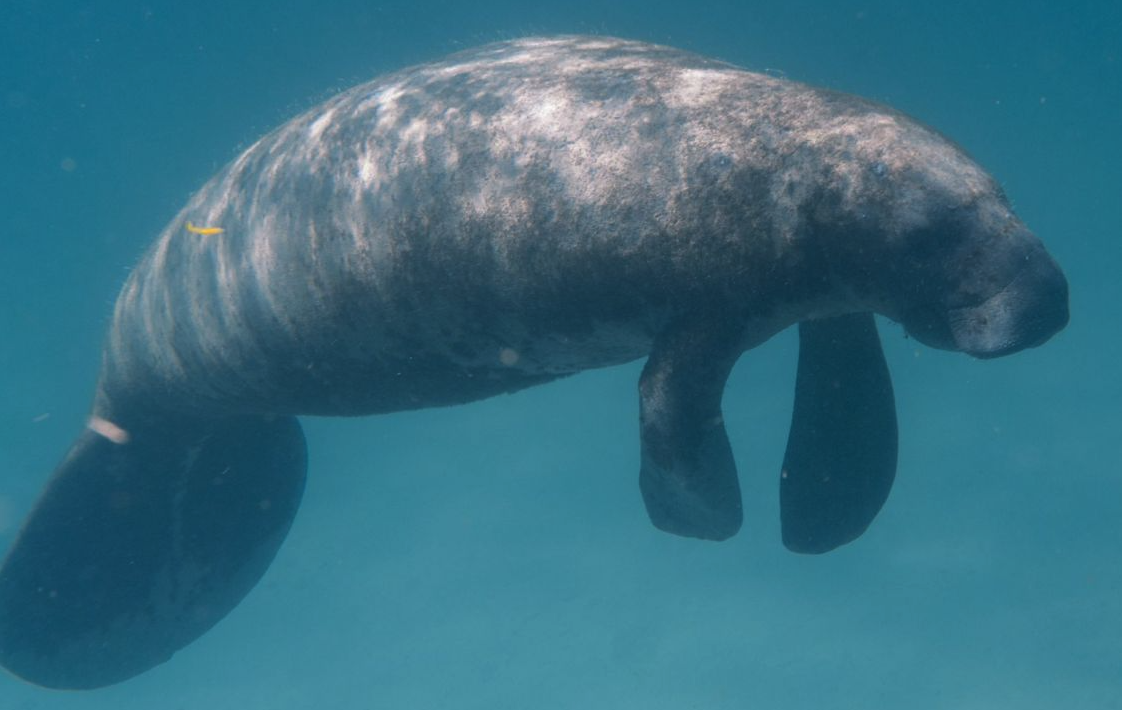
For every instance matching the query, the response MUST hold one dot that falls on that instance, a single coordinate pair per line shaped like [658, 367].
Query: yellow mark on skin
[108, 429]
[203, 230]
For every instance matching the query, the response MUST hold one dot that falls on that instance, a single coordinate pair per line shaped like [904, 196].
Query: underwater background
[498, 555]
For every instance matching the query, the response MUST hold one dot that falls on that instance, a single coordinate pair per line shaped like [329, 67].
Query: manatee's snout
[1029, 309]
[1027, 312]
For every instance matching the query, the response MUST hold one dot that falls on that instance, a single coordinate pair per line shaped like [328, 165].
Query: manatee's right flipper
[687, 475]
[841, 452]
[135, 549]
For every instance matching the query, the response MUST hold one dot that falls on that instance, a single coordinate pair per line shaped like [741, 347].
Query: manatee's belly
[341, 349]
[349, 373]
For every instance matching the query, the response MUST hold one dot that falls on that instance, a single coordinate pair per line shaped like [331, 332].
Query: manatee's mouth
[1027, 312]
[993, 330]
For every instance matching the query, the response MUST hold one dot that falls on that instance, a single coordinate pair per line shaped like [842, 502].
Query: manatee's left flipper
[687, 476]
[841, 452]
[137, 548]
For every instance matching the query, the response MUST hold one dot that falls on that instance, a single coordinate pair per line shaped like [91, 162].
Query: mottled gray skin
[535, 208]
[478, 225]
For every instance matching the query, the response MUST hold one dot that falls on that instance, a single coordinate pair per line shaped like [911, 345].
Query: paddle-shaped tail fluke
[139, 546]
[841, 451]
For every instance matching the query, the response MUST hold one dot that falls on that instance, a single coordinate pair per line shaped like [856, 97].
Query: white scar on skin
[108, 429]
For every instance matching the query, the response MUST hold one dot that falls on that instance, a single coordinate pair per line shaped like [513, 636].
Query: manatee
[481, 224]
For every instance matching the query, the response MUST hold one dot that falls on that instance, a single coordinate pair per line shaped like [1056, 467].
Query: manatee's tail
[137, 547]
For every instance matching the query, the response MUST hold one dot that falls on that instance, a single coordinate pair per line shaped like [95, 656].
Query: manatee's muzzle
[1027, 312]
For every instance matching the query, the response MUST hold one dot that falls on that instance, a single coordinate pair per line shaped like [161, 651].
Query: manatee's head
[920, 233]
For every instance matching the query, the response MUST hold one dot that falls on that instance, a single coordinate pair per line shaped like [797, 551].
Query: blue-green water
[498, 555]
